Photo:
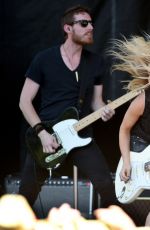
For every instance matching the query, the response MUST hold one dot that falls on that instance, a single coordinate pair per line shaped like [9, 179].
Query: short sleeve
[34, 70]
[100, 70]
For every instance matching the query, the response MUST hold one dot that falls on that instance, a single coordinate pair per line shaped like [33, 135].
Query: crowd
[16, 214]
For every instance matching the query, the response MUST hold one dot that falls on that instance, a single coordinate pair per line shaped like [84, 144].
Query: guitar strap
[83, 80]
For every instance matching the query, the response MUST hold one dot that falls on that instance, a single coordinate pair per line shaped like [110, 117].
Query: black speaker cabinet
[139, 209]
[55, 192]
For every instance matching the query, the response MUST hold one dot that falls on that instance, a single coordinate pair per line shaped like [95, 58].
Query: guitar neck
[84, 122]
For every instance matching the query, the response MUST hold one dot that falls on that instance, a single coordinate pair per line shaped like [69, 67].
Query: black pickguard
[34, 145]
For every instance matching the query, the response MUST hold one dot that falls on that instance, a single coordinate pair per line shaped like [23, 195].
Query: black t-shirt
[142, 126]
[59, 88]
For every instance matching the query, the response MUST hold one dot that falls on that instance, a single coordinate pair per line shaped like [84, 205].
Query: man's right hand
[48, 141]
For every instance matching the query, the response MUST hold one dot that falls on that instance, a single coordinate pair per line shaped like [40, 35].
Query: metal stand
[91, 200]
[75, 187]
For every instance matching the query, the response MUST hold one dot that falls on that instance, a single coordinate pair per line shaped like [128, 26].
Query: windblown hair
[133, 56]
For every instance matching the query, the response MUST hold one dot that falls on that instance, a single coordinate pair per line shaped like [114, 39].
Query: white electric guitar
[139, 179]
[66, 130]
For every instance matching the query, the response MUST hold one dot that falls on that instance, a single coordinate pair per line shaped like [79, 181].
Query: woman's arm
[132, 115]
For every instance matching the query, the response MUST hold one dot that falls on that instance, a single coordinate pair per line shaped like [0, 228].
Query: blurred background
[30, 26]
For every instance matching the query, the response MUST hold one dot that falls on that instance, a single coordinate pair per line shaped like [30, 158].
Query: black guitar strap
[83, 75]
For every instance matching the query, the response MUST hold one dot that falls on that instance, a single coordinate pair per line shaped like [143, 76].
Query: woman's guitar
[139, 180]
[66, 130]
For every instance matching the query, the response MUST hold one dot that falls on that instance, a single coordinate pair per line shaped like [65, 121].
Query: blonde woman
[133, 56]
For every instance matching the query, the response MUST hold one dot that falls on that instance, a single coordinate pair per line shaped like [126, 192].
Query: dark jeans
[89, 160]
[137, 144]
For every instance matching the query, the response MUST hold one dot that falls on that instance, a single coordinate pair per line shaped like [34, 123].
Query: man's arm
[97, 102]
[28, 93]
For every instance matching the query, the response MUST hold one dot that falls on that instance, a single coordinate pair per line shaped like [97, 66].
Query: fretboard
[84, 122]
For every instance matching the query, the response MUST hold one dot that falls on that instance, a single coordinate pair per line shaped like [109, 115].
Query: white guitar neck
[84, 122]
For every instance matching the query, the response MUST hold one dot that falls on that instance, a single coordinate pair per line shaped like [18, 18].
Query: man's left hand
[107, 113]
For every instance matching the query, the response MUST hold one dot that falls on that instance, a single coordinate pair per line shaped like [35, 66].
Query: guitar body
[140, 177]
[65, 134]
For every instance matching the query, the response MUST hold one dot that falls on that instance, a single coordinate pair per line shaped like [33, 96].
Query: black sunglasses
[83, 22]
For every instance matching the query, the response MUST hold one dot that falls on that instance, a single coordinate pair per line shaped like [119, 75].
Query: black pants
[89, 160]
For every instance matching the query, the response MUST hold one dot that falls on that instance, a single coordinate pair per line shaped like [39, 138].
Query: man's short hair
[68, 16]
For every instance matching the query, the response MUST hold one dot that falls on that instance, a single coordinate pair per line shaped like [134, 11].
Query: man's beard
[86, 39]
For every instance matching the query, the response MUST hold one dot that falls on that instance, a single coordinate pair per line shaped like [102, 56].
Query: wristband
[38, 128]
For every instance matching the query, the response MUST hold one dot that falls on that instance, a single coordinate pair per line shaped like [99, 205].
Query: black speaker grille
[55, 192]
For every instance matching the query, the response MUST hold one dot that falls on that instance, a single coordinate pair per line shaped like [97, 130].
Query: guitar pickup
[57, 138]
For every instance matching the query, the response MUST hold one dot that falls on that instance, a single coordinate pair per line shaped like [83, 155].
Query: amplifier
[55, 192]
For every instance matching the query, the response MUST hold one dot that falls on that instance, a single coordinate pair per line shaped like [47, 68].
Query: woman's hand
[125, 172]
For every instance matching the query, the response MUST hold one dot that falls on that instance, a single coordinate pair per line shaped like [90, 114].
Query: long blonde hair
[132, 56]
